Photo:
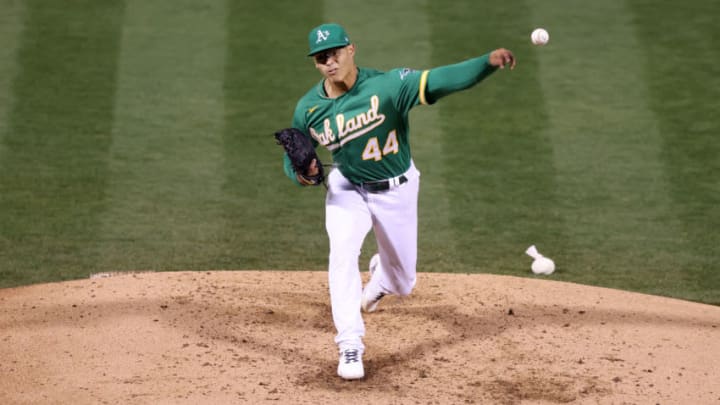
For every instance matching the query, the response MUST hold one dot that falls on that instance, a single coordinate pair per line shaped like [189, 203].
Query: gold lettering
[320, 137]
[374, 107]
[349, 129]
[325, 137]
[340, 122]
[356, 125]
[328, 131]
[352, 124]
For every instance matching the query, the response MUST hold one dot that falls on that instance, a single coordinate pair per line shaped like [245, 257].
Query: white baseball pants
[350, 213]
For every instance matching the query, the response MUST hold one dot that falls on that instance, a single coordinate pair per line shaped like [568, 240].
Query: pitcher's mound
[254, 337]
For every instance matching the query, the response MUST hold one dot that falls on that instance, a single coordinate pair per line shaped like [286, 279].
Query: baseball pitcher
[361, 116]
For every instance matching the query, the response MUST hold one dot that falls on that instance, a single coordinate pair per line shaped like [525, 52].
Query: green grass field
[138, 135]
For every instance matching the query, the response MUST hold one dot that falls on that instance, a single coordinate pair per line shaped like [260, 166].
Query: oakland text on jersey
[349, 129]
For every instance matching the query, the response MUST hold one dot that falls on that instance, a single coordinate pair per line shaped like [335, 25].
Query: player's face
[336, 63]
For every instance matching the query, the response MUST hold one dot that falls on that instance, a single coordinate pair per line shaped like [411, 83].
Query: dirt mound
[254, 337]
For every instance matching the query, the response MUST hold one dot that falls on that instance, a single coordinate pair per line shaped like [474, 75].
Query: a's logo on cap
[322, 36]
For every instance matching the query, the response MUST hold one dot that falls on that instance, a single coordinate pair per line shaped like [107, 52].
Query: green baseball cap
[327, 36]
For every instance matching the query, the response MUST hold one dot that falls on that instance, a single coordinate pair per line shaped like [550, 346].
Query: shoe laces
[351, 356]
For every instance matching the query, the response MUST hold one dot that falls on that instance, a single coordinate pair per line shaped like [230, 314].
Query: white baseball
[540, 36]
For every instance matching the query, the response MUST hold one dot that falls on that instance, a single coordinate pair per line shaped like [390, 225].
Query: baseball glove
[301, 152]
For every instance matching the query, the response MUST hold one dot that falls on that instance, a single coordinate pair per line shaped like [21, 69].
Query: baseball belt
[383, 185]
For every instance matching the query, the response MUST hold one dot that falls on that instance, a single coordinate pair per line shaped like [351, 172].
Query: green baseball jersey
[365, 129]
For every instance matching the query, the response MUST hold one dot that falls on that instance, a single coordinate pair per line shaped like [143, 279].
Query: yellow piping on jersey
[423, 85]
[312, 109]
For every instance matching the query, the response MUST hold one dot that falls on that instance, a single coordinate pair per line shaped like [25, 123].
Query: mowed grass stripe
[399, 36]
[164, 193]
[606, 146]
[53, 168]
[686, 102]
[270, 223]
[500, 175]
[11, 25]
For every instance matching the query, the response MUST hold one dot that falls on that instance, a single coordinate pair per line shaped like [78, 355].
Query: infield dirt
[267, 337]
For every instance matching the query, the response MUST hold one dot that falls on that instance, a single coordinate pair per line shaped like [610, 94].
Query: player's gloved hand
[301, 152]
[501, 57]
[312, 174]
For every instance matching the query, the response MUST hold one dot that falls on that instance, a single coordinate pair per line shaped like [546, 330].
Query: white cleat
[350, 366]
[374, 263]
[371, 296]
[370, 300]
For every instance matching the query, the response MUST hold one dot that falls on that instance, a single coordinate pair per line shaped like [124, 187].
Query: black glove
[301, 152]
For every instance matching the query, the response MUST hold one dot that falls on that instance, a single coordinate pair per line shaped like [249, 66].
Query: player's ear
[351, 49]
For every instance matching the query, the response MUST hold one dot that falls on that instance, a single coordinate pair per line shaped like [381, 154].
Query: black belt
[382, 185]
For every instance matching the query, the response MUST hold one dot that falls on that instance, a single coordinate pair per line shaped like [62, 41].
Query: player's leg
[348, 222]
[394, 215]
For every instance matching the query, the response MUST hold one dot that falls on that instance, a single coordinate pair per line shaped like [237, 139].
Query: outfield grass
[138, 135]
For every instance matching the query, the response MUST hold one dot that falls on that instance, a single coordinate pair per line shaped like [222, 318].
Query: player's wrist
[308, 181]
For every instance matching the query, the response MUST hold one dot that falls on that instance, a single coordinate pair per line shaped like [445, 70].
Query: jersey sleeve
[409, 87]
[299, 121]
[445, 80]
